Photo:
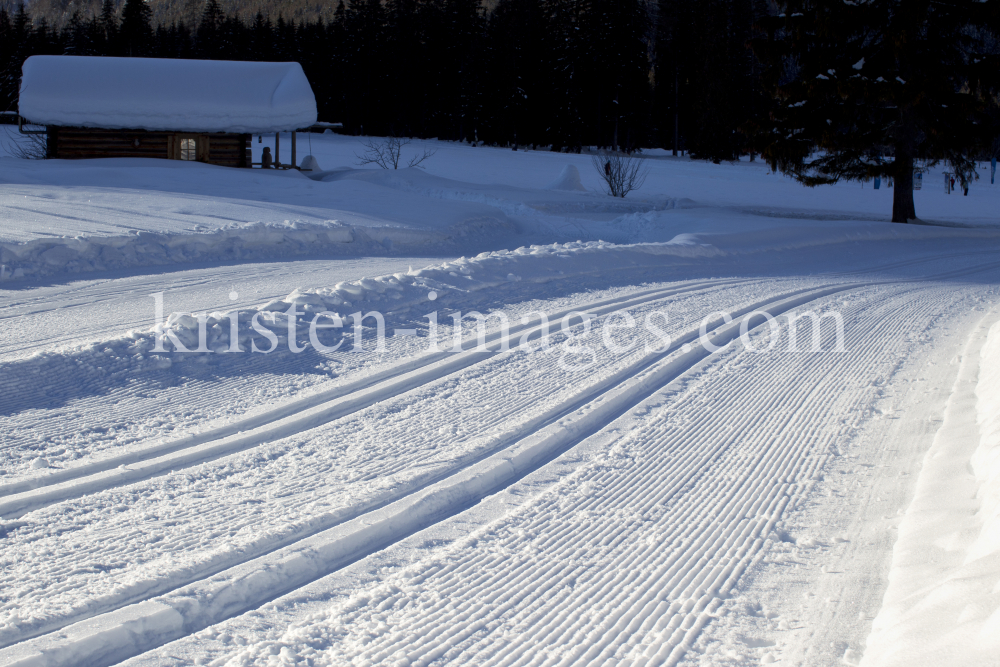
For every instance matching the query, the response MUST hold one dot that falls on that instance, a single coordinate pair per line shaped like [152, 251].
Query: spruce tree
[672, 65]
[617, 76]
[460, 79]
[16, 48]
[366, 111]
[513, 106]
[708, 79]
[407, 65]
[77, 36]
[871, 88]
[43, 40]
[262, 38]
[109, 29]
[565, 59]
[136, 31]
[8, 54]
[209, 35]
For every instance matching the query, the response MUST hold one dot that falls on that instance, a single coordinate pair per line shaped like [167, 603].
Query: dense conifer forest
[559, 73]
[715, 79]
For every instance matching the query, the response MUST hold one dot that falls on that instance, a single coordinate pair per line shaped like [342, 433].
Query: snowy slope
[520, 414]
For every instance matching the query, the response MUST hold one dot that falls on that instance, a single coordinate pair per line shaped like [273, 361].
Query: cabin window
[189, 149]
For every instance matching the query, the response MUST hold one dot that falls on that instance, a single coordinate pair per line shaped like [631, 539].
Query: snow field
[354, 290]
[120, 366]
[80, 382]
[399, 505]
[748, 186]
[815, 592]
[387, 474]
[98, 215]
[131, 213]
[581, 574]
[65, 314]
[294, 416]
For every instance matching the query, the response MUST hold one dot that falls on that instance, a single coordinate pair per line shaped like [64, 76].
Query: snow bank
[136, 351]
[489, 269]
[75, 216]
[569, 179]
[942, 606]
[986, 460]
[246, 242]
[71, 216]
[166, 94]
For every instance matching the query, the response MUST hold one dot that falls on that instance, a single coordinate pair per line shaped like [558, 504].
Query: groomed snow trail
[677, 469]
[294, 417]
[371, 468]
[699, 499]
[626, 559]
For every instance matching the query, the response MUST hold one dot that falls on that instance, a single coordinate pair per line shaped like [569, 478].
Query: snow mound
[986, 460]
[141, 351]
[309, 163]
[942, 605]
[249, 241]
[166, 94]
[569, 179]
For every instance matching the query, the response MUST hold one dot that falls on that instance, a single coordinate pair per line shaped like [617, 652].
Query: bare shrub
[621, 172]
[388, 152]
[25, 146]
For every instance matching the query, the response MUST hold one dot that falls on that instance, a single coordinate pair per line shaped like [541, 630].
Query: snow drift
[986, 460]
[166, 94]
[943, 601]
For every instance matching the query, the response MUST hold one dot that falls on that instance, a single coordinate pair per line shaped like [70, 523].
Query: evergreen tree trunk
[903, 209]
[902, 192]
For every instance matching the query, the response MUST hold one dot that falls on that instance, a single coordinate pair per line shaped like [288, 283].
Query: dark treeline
[559, 73]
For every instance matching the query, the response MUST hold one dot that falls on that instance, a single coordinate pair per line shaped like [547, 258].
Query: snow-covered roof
[166, 94]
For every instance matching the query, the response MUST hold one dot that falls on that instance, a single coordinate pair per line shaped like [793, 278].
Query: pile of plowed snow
[942, 606]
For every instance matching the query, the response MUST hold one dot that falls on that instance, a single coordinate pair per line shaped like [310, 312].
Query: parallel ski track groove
[318, 526]
[451, 363]
[40, 429]
[754, 534]
[774, 466]
[575, 403]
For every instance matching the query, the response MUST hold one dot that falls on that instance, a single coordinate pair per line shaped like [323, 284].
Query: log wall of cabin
[73, 143]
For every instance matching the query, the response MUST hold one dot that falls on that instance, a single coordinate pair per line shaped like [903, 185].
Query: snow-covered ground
[656, 485]
[96, 215]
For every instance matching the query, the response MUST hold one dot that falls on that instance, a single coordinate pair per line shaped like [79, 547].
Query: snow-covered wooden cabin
[203, 110]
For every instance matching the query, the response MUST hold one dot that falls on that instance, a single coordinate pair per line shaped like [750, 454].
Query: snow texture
[649, 502]
[942, 606]
[166, 94]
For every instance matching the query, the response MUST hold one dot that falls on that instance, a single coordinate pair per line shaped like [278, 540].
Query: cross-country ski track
[665, 507]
